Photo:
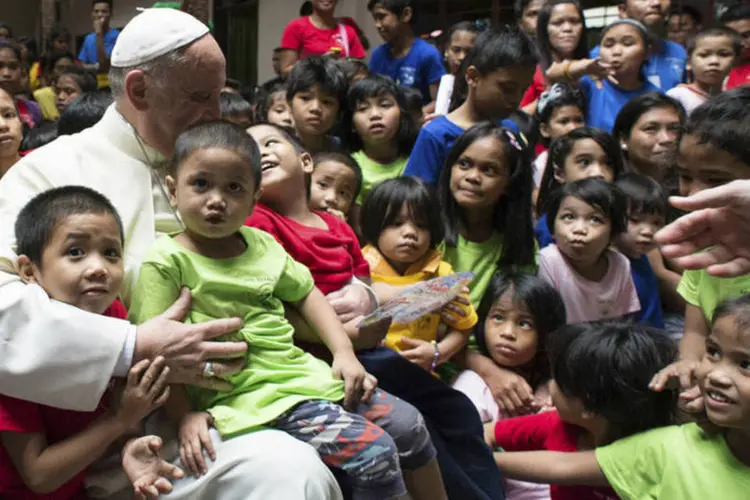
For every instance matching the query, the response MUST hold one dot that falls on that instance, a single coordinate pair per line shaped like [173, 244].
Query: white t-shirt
[445, 92]
[540, 163]
[585, 300]
[689, 98]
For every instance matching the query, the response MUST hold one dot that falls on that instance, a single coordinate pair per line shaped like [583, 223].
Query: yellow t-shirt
[431, 266]
[47, 100]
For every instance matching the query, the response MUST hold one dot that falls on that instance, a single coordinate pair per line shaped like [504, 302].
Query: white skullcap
[153, 33]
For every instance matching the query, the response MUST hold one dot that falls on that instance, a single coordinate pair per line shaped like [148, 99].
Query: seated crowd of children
[545, 173]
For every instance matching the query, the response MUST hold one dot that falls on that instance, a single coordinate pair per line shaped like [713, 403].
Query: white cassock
[58, 355]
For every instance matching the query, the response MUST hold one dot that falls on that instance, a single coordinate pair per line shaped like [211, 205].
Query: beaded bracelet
[435, 356]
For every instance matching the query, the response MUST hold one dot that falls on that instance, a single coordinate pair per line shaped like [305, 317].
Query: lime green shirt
[252, 286]
[674, 463]
[706, 292]
[373, 173]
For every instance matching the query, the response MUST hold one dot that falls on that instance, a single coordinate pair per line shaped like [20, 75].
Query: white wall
[275, 14]
[23, 16]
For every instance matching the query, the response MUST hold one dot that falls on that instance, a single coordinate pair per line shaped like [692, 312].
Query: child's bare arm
[668, 281]
[693, 342]
[451, 344]
[45, 468]
[178, 404]
[580, 468]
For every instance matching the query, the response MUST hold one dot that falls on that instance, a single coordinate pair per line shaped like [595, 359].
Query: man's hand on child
[194, 438]
[419, 352]
[146, 389]
[347, 367]
[149, 474]
[513, 394]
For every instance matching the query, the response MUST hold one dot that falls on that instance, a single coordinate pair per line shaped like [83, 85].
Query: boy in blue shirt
[665, 67]
[97, 46]
[647, 211]
[404, 57]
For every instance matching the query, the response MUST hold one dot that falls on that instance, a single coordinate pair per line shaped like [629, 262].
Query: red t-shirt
[545, 431]
[739, 76]
[302, 36]
[57, 425]
[534, 91]
[333, 256]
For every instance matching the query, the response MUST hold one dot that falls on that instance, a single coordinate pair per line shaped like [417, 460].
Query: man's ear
[26, 269]
[307, 163]
[171, 183]
[135, 89]
[407, 15]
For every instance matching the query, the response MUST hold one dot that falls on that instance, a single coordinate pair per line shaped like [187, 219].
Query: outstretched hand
[149, 474]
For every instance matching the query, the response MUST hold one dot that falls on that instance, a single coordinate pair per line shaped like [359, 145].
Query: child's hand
[456, 308]
[682, 372]
[148, 472]
[512, 393]
[194, 438]
[419, 352]
[347, 367]
[146, 389]
[370, 384]
[489, 435]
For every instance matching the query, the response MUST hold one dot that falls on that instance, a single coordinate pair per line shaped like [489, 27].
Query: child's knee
[409, 431]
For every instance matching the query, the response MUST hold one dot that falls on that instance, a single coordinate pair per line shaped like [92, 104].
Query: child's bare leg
[426, 482]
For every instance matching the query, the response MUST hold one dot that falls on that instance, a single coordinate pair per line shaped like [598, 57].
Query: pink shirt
[585, 300]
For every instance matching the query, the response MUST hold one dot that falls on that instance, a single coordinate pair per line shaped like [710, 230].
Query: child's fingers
[160, 387]
[208, 445]
[152, 374]
[134, 374]
[163, 485]
[163, 398]
[189, 460]
[197, 448]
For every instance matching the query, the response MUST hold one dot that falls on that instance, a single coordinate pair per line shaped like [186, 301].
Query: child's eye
[75, 252]
[235, 187]
[112, 253]
[525, 324]
[596, 219]
[712, 352]
[634, 220]
[464, 163]
[745, 364]
[497, 317]
[322, 184]
[200, 183]
[566, 217]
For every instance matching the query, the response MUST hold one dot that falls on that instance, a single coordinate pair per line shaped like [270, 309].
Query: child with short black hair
[586, 217]
[213, 182]
[503, 55]
[71, 83]
[354, 69]
[70, 244]
[335, 184]
[404, 57]
[272, 107]
[582, 153]
[647, 213]
[383, 131]
[459, 40]
[559, 110]
[316, 92]
[711, 55]
[402, 231]
[235, 109]
[83, 112]
[600, 374]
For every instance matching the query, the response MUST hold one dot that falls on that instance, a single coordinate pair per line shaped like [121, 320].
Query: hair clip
[549, 96]
[513, 140]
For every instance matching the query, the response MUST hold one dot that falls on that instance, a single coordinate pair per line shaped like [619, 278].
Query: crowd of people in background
[583, 361]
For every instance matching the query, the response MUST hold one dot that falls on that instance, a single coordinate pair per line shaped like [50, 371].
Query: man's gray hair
[159, 69]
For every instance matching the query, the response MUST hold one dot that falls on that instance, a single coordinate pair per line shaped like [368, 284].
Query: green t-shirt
[252, 286]
[479, 258]
[706, 292]
[674, 463]
[373, 173]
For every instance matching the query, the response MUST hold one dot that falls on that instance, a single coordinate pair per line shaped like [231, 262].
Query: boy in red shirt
[738, 19]
[70, 243]
[600, 390]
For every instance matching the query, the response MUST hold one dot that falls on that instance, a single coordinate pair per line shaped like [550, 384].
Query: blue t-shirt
[665, 68]
[541, 231]
[420, 68]
[433, 144]
[647, 287]
[88, 49]
[603, 104]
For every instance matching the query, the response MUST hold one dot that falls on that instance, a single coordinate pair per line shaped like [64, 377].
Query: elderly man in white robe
[167, 73]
